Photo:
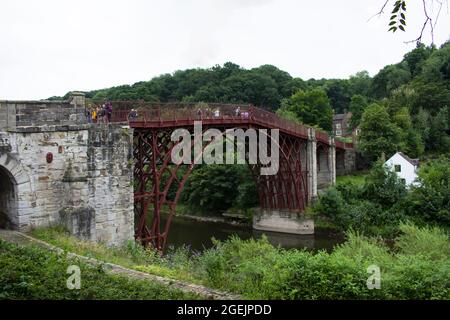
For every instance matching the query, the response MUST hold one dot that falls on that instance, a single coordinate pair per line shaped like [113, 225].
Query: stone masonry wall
[323, 170]
[345, 162]
[111, 193]
[87, 186]
[40, 113]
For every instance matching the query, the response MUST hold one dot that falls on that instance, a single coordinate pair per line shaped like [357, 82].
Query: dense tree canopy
[378, 133]
[311, 107]
[415, 94]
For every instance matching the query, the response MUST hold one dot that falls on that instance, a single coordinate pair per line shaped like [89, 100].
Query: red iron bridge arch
[159, 182]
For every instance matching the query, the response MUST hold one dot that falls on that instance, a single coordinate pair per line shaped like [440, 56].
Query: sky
[50, 47]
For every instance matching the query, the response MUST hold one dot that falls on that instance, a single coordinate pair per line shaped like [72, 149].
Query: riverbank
[196, 233]
[256, 269]
[224, 220]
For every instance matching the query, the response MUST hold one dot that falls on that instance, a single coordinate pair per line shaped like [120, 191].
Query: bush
[331, 203]
[415, 268]
[34, 273]
[429, 242]
[383, 187]
[430, 200]
[415, 277]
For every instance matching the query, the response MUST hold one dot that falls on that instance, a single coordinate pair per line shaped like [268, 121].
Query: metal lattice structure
[159, 182]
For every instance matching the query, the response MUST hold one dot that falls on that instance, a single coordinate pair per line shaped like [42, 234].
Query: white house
[405, 167]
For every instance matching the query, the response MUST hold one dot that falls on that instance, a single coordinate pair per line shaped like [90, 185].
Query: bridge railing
[270, 119]
[322, 136]
[173, 113]
[176, 112]
[343, 145]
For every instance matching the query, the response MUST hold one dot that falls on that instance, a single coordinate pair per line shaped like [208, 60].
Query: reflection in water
[197, 235]
[286, 240]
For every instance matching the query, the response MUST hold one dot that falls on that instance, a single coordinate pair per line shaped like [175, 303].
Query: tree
[251, 87]
[378, 134]
[311, 107]
[357, 106]
[339, 94]
[383, 186]
[397, 20]
[389, 78]
[281, 78]
[438, 138]
[359, 84]
[416, 58]
[430, 200]
[410, 140]
[211, 189]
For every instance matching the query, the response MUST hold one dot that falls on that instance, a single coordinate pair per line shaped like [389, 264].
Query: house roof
[339, 116]
[342, 116]
[414, 162]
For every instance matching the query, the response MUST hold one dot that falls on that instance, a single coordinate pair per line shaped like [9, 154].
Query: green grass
[345, 139]
[36, 273]
[131, 255]
[415, 267]
[357, 178]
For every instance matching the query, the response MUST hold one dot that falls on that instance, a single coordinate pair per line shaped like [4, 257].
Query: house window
[398, 168]
[338, 132]
[338, 126]
[403, 181]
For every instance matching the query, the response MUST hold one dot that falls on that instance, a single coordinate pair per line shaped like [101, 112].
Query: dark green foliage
[378, 134]
[258, 270]
[358, 104]
[338, 91]
[383, 187]
[35, 273]
[213, 189]
[310, 107]
[264, 86]
[383, 201]
[388, 79]
[398, 16]
[430, 201]
[415, 268]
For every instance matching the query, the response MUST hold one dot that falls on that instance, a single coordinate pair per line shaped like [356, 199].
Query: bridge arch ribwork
[159, 183]
[290, 189]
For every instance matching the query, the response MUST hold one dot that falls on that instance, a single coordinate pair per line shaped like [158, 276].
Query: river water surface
[197, 235]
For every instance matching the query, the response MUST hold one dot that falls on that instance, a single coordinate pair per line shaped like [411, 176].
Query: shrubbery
[214, 189]
[417, 269]
[35, 273]
[383, 200]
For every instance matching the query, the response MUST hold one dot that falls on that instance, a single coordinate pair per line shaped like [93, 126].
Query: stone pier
[321, 173]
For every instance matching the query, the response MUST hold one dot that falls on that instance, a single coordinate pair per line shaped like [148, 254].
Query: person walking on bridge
[132, 116]
[108, 111]
[237, 112]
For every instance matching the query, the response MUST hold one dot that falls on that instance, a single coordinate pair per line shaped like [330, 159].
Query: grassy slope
[357, 178]
[417, 268]
[132, 255]
[35, 273]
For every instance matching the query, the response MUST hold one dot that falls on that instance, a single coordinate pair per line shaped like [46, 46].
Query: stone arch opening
[8, 200]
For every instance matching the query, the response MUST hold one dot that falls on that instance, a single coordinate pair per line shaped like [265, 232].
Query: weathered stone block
[79, 221]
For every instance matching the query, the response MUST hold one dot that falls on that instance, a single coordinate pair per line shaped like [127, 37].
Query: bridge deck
[182, 115]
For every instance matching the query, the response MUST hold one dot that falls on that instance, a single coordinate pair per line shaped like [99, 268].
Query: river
[197, 235]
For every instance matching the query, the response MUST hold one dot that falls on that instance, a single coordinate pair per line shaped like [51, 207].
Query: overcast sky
[49, 47]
